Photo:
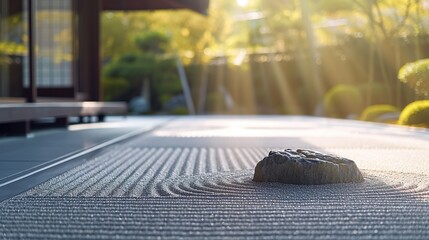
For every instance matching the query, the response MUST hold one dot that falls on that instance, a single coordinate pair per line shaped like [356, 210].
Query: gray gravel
[196, 189]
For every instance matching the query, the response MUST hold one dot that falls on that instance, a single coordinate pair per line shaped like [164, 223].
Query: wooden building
[50, 49]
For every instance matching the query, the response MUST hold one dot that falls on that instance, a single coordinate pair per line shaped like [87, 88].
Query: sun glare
[242, 3]
[324, 58]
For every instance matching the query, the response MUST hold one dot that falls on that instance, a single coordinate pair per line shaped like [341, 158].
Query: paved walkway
[20, 156]
[191, 178]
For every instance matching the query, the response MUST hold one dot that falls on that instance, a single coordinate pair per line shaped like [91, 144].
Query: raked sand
[191, 178]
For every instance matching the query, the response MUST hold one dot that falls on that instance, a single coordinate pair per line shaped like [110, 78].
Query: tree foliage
[192, 35]
[148, 63]
[374, 27]
[416, 75]
[152, 42]
[390, 18]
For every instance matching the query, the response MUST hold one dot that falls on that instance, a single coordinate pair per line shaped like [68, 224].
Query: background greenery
[256, 58]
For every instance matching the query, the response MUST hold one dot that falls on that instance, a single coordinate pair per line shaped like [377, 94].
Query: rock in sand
[306, 167]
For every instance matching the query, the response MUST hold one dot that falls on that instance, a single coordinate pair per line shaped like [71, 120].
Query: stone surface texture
[306, 167]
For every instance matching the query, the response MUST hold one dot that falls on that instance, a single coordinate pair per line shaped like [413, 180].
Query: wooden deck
[15, 117]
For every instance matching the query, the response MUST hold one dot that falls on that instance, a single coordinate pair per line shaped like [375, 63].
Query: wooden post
[89, 49]
[32, 93]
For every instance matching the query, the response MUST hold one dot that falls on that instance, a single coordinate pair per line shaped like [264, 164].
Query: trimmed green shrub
[416, 75]
[114, 89]
[342, 101]
[373, 112]
[415, 113]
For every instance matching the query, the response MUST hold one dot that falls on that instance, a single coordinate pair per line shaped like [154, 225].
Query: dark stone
[306, 167]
